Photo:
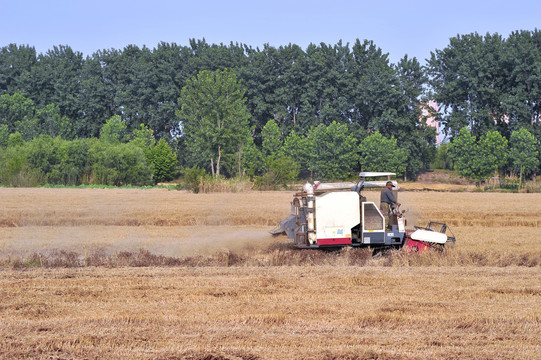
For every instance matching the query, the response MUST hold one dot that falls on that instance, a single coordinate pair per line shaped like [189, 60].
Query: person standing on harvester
[387, 200]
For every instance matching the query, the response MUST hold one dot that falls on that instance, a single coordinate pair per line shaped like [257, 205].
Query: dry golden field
[157, 274]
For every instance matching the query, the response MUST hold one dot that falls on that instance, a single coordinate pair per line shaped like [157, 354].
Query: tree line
[492, 154]
[116, 158]
[310, 110]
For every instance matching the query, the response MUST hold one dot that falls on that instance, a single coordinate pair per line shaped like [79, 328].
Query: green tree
[114, 131]
[42, 157]
[374, 85]
[118, 164]
[478, 159]
[214, 115]
[523, 153]
[463, 151]
[328, 79]
[379, 153]
[4, 135]
[467, 78]
[13, 166]
[290, 86]
[16, 111]
[15, 139]
[95, 101]
[136, 81]
[298, 148]
[15, 62]
[51, 122]
[143, 137]
[442, 158]
[281, 170]
[333, 152]
[55, 79]
[492, 154]
[272, 138]
[521, 88]
[258, 75]
[414, 136]
[163, 161]
[170, 69]
[57, 161]
[277, 167]
[73, 164]
[253, 160]
[536, 132]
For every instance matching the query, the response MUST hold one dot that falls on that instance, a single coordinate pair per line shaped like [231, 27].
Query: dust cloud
[168, 223]
[201, 241]
[168, 241]
[411, 215]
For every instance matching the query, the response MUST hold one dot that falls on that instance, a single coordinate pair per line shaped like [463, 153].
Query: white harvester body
[336, 214]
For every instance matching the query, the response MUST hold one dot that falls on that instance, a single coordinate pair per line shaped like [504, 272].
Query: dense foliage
[488, 82]
[382, 154]
[492, 154]
[105, 161]
[47, 160]
[233, 110]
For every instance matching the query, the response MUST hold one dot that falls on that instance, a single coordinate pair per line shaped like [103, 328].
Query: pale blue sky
[397, 27]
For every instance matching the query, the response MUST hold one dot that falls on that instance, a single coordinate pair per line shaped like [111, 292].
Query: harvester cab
[337, 214]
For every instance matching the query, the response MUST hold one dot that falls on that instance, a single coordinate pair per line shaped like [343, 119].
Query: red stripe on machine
[334, 241]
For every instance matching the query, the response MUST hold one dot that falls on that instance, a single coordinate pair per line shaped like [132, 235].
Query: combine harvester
[330, 215]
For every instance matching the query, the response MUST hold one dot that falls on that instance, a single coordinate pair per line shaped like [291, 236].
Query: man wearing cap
[386, 201]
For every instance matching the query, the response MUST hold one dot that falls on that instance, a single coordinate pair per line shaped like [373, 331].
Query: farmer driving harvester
[388, 202]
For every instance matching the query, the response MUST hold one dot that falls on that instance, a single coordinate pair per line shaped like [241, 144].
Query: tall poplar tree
[523, 153]
[214, 115]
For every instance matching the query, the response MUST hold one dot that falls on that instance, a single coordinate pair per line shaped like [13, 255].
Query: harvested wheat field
[157, 274]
